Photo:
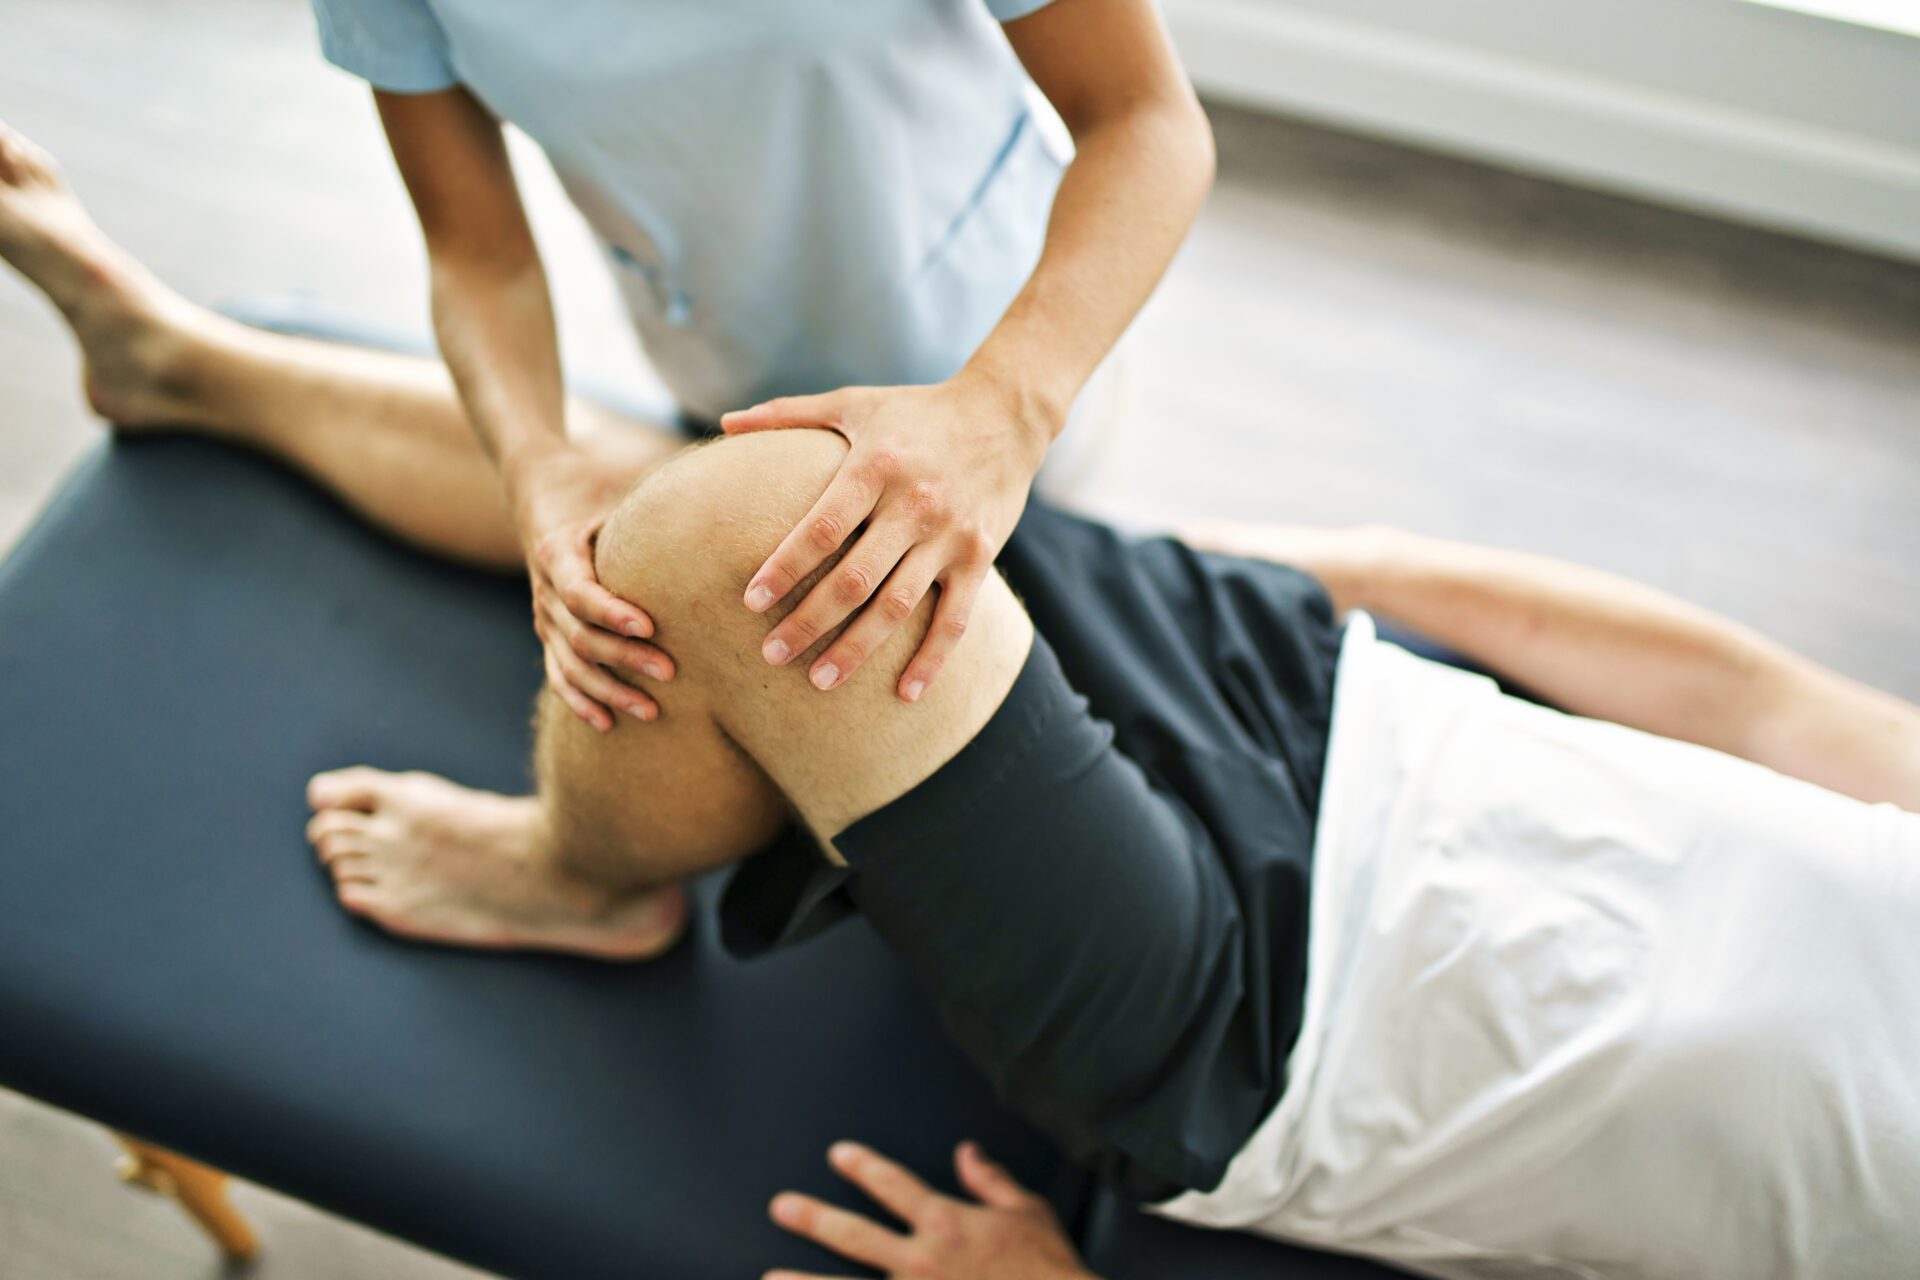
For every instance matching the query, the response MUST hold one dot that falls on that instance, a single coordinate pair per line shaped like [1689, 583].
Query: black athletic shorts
[1105, 892]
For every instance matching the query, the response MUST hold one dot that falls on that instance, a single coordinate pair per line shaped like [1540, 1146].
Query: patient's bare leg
[384, 432]
[589, 864]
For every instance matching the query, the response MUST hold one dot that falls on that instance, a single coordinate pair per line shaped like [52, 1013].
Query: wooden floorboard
[1356, 332]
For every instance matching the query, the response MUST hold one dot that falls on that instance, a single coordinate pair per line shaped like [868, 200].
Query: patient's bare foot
[134, 332]
[426, 859]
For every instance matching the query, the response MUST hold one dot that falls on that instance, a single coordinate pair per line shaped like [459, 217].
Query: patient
[1271, 923]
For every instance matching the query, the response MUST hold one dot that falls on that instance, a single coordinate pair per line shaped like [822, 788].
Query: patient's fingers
[989, 1183]
[847, 1234]
[888, 1183]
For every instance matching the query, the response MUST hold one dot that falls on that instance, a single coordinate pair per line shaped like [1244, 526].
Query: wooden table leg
[201, 1191]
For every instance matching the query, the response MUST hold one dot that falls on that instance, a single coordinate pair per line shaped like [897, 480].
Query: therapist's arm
[940, 474]
[493, 316]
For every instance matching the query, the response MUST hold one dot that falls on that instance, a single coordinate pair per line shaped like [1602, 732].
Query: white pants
[1586, 1002]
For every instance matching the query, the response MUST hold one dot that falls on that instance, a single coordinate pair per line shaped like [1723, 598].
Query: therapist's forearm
[1123, 207]
[495, 324]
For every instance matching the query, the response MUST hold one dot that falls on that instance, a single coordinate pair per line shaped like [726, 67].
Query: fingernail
[841, 1152]
[655, 670]
[640, 713]
[758, 598]
[775, 651]
[785, 1208]
[637, 629]
[914, 689]
[825, 676]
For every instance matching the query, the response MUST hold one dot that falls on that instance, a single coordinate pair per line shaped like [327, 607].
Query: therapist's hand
[939, 475]
[560, 500]
[1009, 1234]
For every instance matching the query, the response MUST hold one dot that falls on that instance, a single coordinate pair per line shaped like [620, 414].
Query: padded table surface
[185, 637]
[190, 632]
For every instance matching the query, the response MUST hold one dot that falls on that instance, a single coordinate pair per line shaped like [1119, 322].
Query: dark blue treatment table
[187, 634]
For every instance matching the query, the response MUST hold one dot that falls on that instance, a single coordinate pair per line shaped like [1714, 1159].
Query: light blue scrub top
[795, 195]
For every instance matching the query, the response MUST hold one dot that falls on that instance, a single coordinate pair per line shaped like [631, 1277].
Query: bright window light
[1892, 15]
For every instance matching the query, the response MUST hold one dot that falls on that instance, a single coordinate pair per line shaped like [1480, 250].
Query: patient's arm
[1601, 646]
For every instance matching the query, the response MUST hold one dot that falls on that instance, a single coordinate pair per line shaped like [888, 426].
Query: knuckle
[926, 500]
[854, 583]
[827, 531]
[975, 547]
[580, 644]
[953, 627]
[801, 632]
[896, 605]
[882, 465]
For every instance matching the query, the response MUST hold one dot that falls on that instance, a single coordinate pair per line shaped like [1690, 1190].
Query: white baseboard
[1569, 124]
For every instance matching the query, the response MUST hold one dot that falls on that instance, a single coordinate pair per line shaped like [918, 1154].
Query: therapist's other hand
[560, 500]
[1009, 1234]
[938, 475]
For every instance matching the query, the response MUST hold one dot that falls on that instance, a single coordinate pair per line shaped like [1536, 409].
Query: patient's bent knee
[684, 542]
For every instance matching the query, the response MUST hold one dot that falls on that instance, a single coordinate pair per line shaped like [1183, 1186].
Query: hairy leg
[589, 864]
[384, 432]
[1601, 646]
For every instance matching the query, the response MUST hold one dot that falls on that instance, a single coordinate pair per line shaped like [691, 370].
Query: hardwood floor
[1356, 332]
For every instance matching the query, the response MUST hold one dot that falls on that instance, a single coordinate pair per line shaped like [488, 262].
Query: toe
[357, 895]
[351, 867]
[335, 822]
[355, 788]
[333, 847]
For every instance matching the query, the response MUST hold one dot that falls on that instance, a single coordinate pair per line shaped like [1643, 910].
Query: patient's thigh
[650, 802]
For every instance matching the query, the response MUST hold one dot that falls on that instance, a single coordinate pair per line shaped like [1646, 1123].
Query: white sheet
[1587, 1002]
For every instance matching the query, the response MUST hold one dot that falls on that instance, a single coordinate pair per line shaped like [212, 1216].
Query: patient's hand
[560, 500]
[1011, 1234]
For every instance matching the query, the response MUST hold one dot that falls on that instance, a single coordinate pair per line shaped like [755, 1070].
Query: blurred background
[1635, 282]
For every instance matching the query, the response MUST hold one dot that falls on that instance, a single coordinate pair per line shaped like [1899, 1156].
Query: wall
[1745, 110]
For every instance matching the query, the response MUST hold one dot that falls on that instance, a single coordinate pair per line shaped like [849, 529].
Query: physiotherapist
[842, 213]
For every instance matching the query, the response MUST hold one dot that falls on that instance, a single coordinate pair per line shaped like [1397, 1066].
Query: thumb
[788, 411]
[988, 1182]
